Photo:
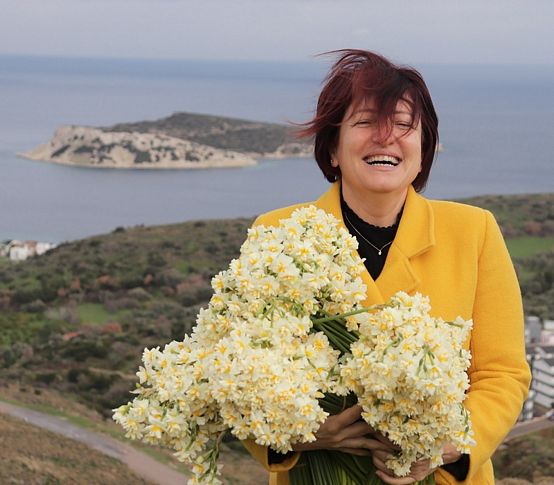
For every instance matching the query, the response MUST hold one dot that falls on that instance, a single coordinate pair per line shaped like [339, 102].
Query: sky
[415, 31]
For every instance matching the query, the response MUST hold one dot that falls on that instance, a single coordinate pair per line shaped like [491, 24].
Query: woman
[375, 139]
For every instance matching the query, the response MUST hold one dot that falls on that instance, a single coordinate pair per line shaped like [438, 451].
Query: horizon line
[314, 59]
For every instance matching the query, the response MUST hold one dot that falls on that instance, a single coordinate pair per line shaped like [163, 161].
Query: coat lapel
[415, 236]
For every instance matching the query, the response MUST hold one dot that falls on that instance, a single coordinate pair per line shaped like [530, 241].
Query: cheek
[414, 146]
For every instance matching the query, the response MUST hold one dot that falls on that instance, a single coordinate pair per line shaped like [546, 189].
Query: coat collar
[415, 236]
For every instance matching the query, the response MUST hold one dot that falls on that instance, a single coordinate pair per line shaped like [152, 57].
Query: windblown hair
[356, 77]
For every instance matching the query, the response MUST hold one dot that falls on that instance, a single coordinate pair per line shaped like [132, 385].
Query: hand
[419, 469]
[345, 432]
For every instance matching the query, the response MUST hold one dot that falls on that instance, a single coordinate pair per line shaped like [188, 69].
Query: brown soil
[519, 481]
[30, 455]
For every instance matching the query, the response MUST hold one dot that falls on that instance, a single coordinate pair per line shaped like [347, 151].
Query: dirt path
[139, 462]
[526, 427]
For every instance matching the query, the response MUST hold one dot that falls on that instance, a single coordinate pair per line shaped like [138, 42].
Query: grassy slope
[76, 319]
[217, 131]
[528, 246]
[520, 215]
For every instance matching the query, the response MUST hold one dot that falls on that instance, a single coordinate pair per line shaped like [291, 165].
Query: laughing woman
[376, 135]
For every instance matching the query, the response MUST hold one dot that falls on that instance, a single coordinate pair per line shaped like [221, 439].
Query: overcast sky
[414, 31]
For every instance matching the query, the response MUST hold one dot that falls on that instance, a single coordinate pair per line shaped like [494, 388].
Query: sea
[496, 126]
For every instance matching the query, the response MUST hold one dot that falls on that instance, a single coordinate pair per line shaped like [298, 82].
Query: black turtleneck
[379, 237]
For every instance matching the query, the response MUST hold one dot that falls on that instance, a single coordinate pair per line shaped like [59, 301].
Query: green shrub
[80, 349]
[73, 375]
[45, 377]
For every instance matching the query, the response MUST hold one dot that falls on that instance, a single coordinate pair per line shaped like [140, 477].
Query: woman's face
[375, 160]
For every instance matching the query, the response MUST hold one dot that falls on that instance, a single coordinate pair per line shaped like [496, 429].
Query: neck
[376, 209]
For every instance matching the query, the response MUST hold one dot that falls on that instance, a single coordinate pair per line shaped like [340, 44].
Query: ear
[334, 162]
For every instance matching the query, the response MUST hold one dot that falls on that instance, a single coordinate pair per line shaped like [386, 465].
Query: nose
[383, 134]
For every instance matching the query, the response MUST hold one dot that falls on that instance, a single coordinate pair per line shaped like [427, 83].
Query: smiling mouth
[382, 160]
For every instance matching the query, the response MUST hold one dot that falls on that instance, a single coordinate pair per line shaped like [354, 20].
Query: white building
[544, 352]
[21, 250]
[547, 337]
[528, 407]
[543, 381]
[533, 329]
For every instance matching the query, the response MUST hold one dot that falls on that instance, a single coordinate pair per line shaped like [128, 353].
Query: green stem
[459, 325]
[335, 337]
[347, 314]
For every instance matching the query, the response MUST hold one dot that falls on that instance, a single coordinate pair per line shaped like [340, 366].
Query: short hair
[357, 76]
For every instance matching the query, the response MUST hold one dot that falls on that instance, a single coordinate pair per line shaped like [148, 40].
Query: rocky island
[182, 140]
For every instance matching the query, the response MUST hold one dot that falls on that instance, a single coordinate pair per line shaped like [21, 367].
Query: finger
[365, 443]
[349, 416]
[394, 480]
[335, 424]
[381, 465]
[355, 451]
[421, 465]
[356, 430]
[420, 469]
[385, 440]
[382, 455]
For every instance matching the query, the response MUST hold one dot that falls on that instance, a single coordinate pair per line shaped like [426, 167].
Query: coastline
[249, 160]
[146, 166]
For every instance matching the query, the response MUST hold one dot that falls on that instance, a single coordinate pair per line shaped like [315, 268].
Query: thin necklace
[379, 250]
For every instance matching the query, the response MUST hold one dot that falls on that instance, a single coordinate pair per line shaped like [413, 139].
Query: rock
[66, 337]
[111, 327]
[107, 281]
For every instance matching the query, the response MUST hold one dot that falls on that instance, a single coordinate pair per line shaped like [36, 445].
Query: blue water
[495, 125]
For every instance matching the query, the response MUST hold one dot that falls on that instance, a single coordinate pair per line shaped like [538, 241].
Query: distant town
[21, 250]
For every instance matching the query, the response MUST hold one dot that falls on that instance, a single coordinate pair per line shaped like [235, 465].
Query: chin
[382, 189]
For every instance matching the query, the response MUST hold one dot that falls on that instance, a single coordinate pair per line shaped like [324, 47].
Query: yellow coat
[455, 254]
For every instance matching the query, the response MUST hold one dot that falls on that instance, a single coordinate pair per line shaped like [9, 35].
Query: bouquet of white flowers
[270, 355]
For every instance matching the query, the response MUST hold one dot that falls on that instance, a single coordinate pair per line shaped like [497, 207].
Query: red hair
[360, 75]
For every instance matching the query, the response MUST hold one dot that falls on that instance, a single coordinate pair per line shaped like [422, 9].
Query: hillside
[520, 215]
[182, 140]
[527, 458]
[267, 139]
[75, 320]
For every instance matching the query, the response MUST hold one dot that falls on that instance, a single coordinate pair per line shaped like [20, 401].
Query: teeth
[381, 160]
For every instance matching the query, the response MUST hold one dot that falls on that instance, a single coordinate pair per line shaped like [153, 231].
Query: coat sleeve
[499, 374]
[260, 453]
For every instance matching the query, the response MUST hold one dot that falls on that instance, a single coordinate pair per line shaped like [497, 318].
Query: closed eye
[404, 125]
[365, 122]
